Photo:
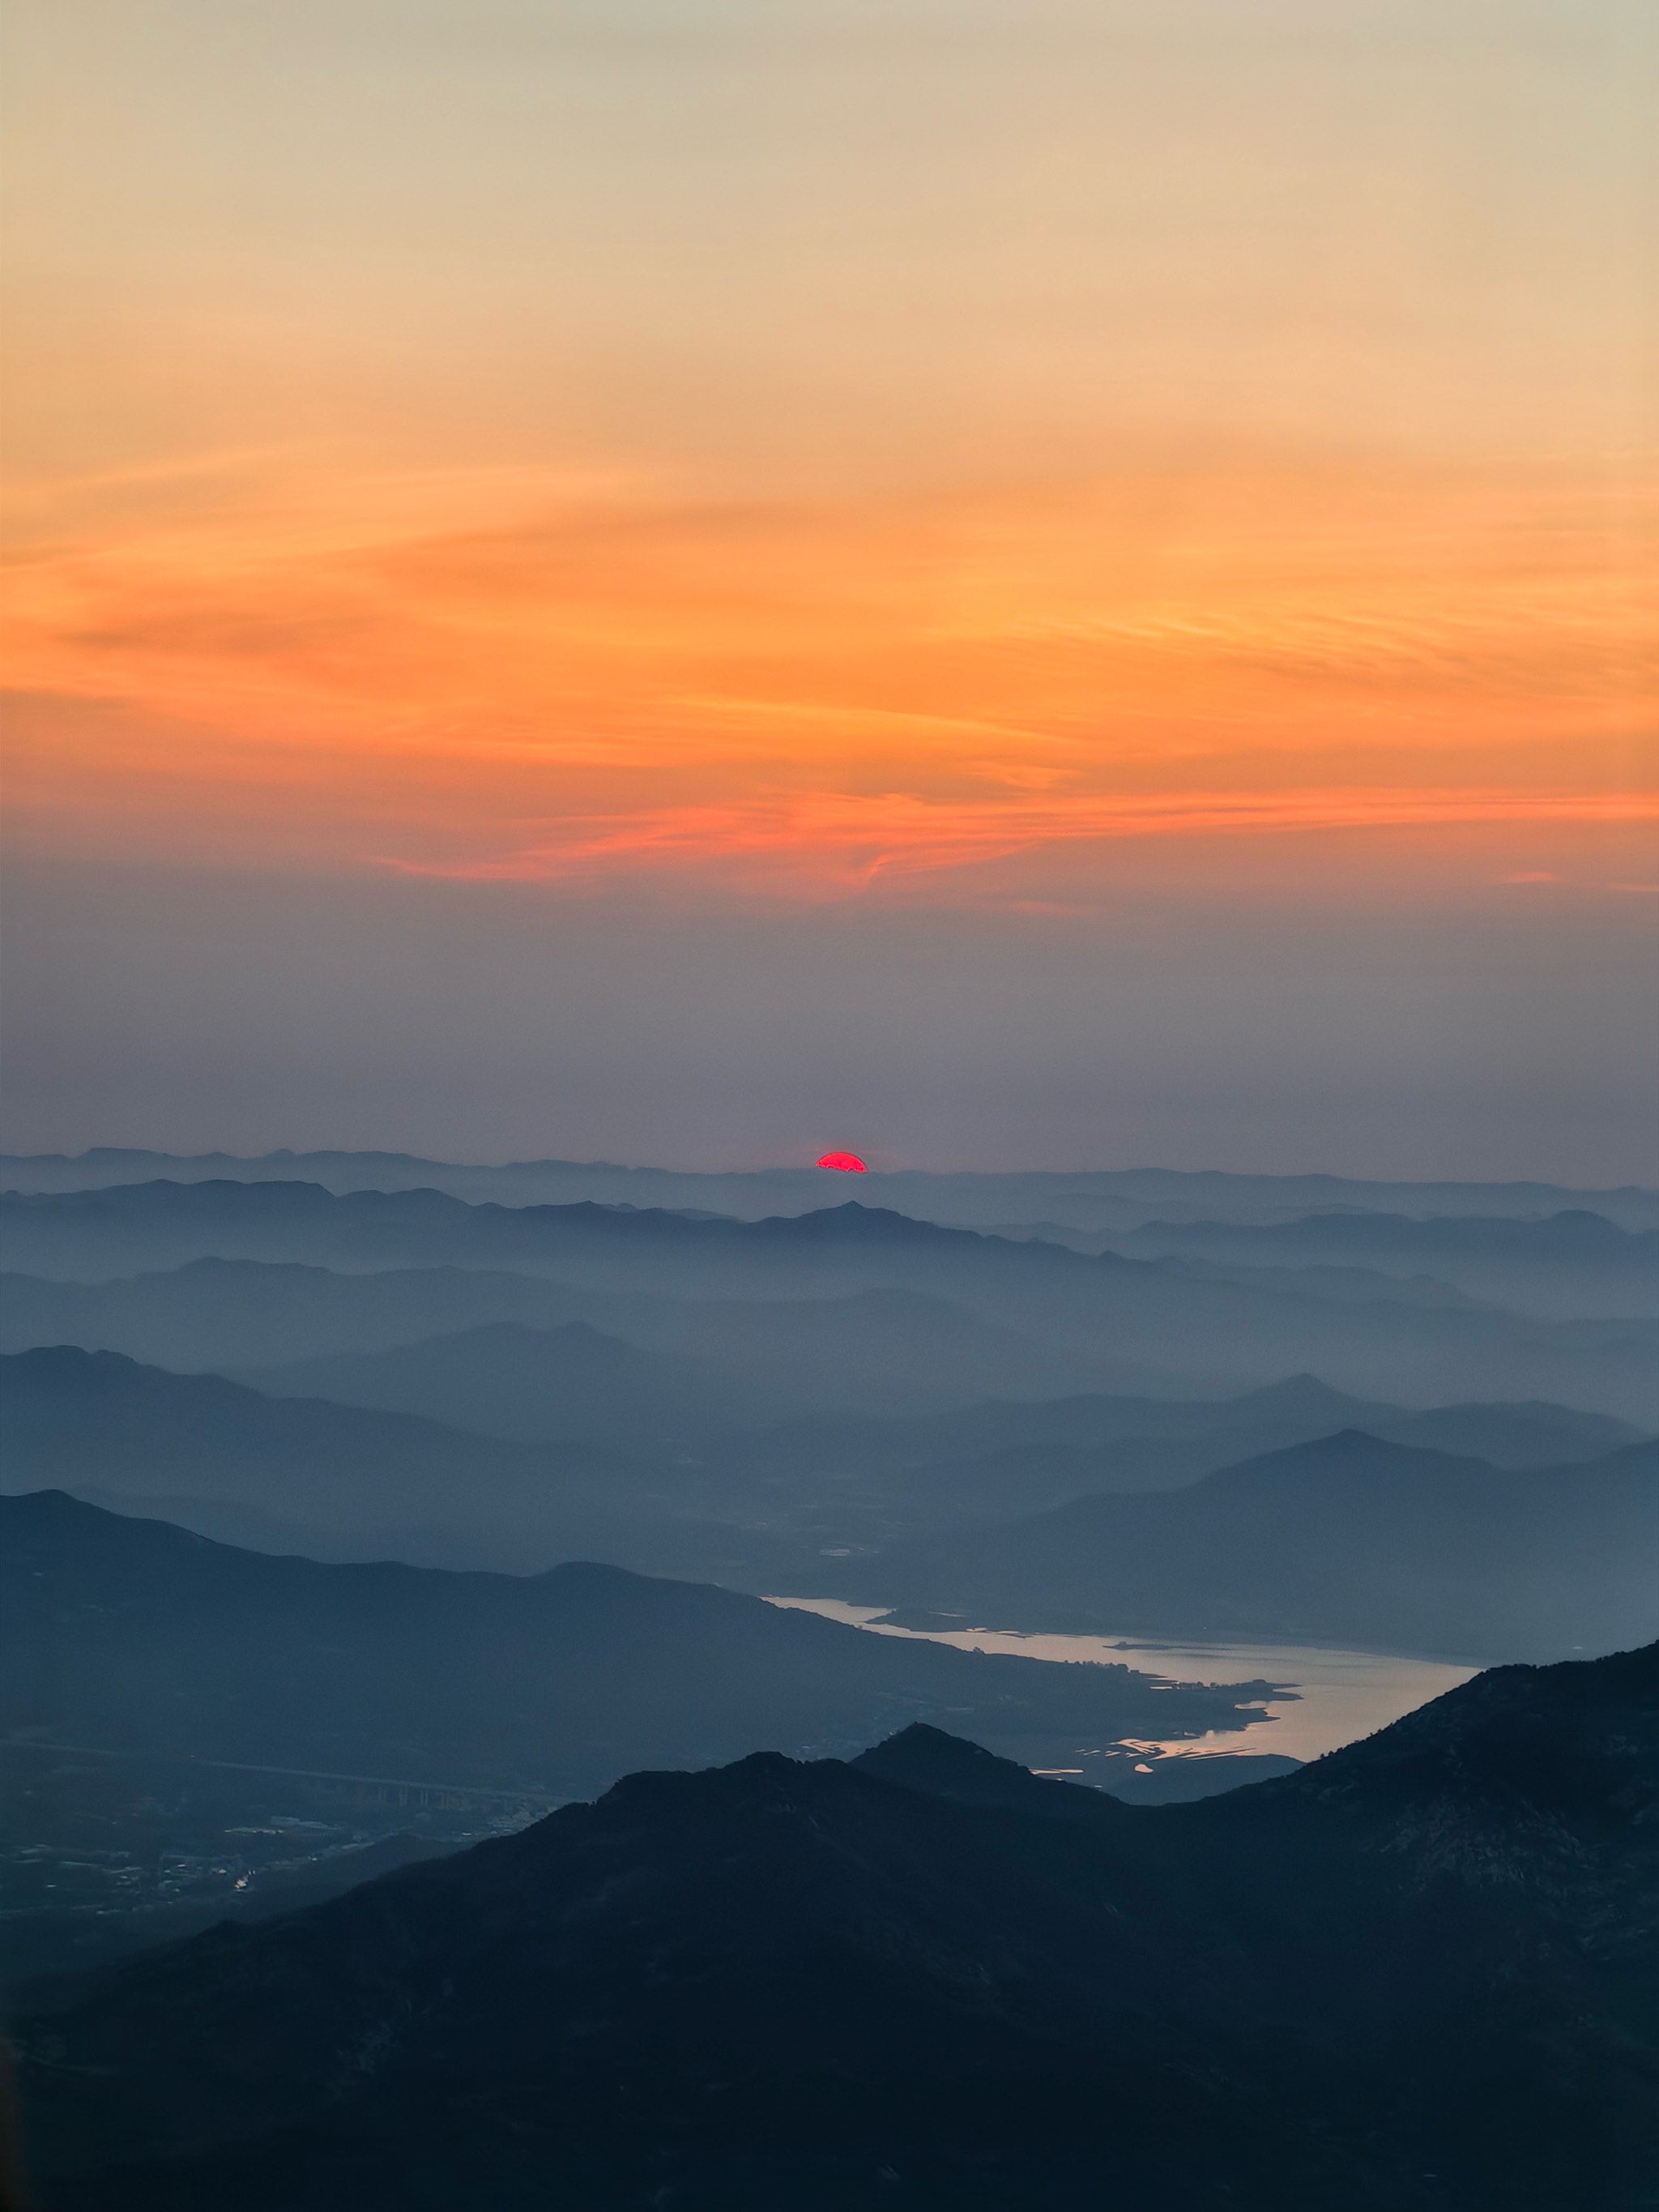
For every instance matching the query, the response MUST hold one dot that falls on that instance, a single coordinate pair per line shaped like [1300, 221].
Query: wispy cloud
[556, 678]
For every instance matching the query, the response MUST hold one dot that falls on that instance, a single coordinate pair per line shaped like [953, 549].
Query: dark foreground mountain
[1422, 1976]
[139, 1638]
[1351, 1540]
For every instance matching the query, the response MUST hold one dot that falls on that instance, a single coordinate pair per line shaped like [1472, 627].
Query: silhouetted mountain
[1419, 1976]
[924, 1757]
[1137, 1323]
[1351, 1540]
[134, 1636]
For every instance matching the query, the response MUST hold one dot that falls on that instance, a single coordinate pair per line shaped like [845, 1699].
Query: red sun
[844, 1163]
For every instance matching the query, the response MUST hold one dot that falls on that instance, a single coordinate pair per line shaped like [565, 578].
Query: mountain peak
[866, 1224]
[1302, 1394]
[939, 1764]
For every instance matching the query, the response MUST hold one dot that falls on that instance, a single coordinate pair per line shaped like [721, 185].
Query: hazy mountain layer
[880, 1350]
[540, 1384]
[1137, 1323]
[1420, 1975]
[1524, 1433]
[756, 1511]
[96, 1421]
[1349, 1541]
[1566, 1266]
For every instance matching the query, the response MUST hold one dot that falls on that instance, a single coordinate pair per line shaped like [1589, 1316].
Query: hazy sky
[1011, 582]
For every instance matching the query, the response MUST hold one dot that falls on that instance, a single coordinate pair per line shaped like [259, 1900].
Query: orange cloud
[497, 674]
[833, 841]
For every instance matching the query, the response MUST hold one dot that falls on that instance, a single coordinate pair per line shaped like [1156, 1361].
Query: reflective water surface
[1335, 1697]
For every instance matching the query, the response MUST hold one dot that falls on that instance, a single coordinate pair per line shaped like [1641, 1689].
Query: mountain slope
[137, 1637]
[1418, 1978]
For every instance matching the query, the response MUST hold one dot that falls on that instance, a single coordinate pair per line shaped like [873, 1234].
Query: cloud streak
[830, 843]
[606, 682]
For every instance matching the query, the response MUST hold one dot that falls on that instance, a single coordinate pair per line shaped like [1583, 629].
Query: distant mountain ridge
[1419, 1975]
[1087, 1198]
[1141, 1326]
[1562, 1266]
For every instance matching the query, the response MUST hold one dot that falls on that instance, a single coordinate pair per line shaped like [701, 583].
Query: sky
[1003, 582]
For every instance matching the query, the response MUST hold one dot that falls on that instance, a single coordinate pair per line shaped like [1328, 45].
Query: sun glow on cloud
[820, 697]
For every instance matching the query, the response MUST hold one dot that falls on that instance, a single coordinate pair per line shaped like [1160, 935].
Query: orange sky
[821, 452]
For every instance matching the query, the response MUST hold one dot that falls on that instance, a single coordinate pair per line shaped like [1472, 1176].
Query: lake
[1333, 1697]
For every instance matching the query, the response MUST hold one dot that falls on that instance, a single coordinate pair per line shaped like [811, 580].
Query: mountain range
[1137, 1324]
[355, 1507]
[884, 1351]
[1418, 1976]
[769, 1509]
